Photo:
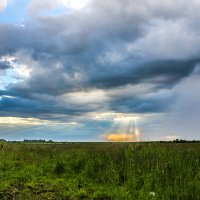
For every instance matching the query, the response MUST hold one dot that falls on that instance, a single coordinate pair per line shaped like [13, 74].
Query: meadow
[100, 171]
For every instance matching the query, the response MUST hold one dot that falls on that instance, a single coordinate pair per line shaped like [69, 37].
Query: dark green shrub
[59, 168]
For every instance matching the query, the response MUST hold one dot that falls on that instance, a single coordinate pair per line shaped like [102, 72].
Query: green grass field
[100, 171]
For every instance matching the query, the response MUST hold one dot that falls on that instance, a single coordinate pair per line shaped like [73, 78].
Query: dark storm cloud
[10, 106]
[138, 105]
[4, 65]
[105, 46]
[163, 73]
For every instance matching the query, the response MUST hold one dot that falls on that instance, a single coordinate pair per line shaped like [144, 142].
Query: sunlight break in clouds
[16, 66]
[15, 71]
[123, 129]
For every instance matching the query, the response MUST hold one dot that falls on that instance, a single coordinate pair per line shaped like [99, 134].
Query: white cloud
[170, 137]
[32, 121]
[17, 72]
[114, 116]
[20, 69]
[77, 4]
[3, 4]
[38, 6]
[81, 98]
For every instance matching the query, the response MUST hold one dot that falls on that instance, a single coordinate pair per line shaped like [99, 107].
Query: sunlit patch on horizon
[124, 128]
[122, 137]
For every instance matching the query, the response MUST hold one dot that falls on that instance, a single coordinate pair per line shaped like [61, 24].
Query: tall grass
[100, 171]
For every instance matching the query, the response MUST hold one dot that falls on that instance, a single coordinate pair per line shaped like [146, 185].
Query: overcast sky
[81, 69]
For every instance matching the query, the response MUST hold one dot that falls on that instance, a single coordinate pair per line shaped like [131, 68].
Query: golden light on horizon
[122, 137]
[124, 129]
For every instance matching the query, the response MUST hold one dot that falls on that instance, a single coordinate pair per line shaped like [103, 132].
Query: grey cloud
[35, 108]
[163, 73]
[4, 65]
[141, 105]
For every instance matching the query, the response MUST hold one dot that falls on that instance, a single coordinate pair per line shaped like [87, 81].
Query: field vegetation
[100, 171]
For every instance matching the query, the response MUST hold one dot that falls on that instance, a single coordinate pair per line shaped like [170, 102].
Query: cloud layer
[110, 56]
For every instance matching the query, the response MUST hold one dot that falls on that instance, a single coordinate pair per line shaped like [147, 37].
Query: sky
[90, 70]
